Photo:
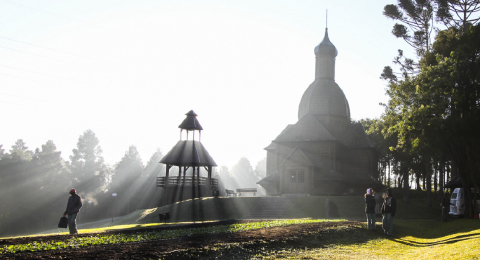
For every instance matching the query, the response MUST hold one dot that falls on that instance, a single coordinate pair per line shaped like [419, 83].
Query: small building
[324, 152]
[190, 156]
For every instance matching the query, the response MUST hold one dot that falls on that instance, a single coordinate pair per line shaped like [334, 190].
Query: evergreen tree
[437, 110]
[20, 151]
[261, 168]
[87, 165]
[127, 180]
[2, 151]
[244, 175]
[17, 186]
[150, 193]
[458, 13]
[51, 190]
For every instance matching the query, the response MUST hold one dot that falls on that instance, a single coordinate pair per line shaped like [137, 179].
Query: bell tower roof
[326, 47]
[324, 98]
[191, 122]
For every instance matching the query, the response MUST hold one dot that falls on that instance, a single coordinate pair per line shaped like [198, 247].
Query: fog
[34, 184]
[129, 70]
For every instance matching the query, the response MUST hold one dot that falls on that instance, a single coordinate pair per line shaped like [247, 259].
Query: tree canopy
[434, 113]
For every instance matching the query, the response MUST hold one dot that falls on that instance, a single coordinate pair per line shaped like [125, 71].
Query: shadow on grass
[410, 233]
[450, 240]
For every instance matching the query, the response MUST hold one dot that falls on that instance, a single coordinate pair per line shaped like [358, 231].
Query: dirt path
[169, 248]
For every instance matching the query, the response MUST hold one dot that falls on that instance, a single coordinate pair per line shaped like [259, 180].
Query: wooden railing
[187, 181]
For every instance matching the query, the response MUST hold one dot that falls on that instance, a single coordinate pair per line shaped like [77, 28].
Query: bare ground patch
[184, 247]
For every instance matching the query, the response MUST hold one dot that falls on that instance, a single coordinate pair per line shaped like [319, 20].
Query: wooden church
[324, 153]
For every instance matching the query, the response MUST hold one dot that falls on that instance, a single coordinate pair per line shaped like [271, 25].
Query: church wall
[342, 158]
[328, 188]
[320, 148]
[360, 163]
[271, 162]
[322, 151]
[291, 182]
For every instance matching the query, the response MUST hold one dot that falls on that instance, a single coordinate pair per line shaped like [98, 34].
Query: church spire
[325, 54]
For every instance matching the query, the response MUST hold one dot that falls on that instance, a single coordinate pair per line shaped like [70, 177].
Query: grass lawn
[418, 231]
[412, 239]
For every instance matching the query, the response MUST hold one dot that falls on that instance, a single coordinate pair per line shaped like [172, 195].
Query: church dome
[324, 98]
[326, 47]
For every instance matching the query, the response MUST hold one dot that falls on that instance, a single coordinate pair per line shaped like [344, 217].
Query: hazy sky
[130, 70]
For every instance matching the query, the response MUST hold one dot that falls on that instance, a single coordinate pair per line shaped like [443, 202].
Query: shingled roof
[191, 122]
[308, 128]
[188, 153]
[356, 137]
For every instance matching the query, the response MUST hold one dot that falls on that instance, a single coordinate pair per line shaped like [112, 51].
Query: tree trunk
[406, 187]
[469, 208]
[424, 182]
[389, 170]
[428, 175]
[417, 182]
[435, 182]
[449, 168]
[441, 176]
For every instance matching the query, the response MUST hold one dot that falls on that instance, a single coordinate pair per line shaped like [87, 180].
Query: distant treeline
[34, 185]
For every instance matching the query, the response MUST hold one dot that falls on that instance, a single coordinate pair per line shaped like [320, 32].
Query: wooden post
[168, 171]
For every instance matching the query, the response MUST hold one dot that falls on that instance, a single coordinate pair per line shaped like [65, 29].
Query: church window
[297, 175]
[293, 176]
[301, 176]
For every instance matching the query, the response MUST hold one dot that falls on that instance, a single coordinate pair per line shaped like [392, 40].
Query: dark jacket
[74, 204]
[389, 205]
[446, 201]
[370, 204]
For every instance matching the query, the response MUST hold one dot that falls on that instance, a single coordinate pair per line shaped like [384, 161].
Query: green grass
[418, 233]
[413, 239]
[105, 239]
[421, 239]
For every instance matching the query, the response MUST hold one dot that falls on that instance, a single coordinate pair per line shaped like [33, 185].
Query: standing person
[73, 207]
[389, 207]
[370, 208]
[445, 206]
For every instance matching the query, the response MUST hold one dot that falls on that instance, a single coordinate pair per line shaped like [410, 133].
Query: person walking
[389, 207]
[370, 204]
[445, 206]
[73, 207]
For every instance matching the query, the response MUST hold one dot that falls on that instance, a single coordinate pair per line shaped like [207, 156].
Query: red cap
[72, 191]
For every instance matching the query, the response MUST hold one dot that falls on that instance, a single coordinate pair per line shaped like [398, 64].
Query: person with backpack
[73, 207]
[370, 204]
[389, 207]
